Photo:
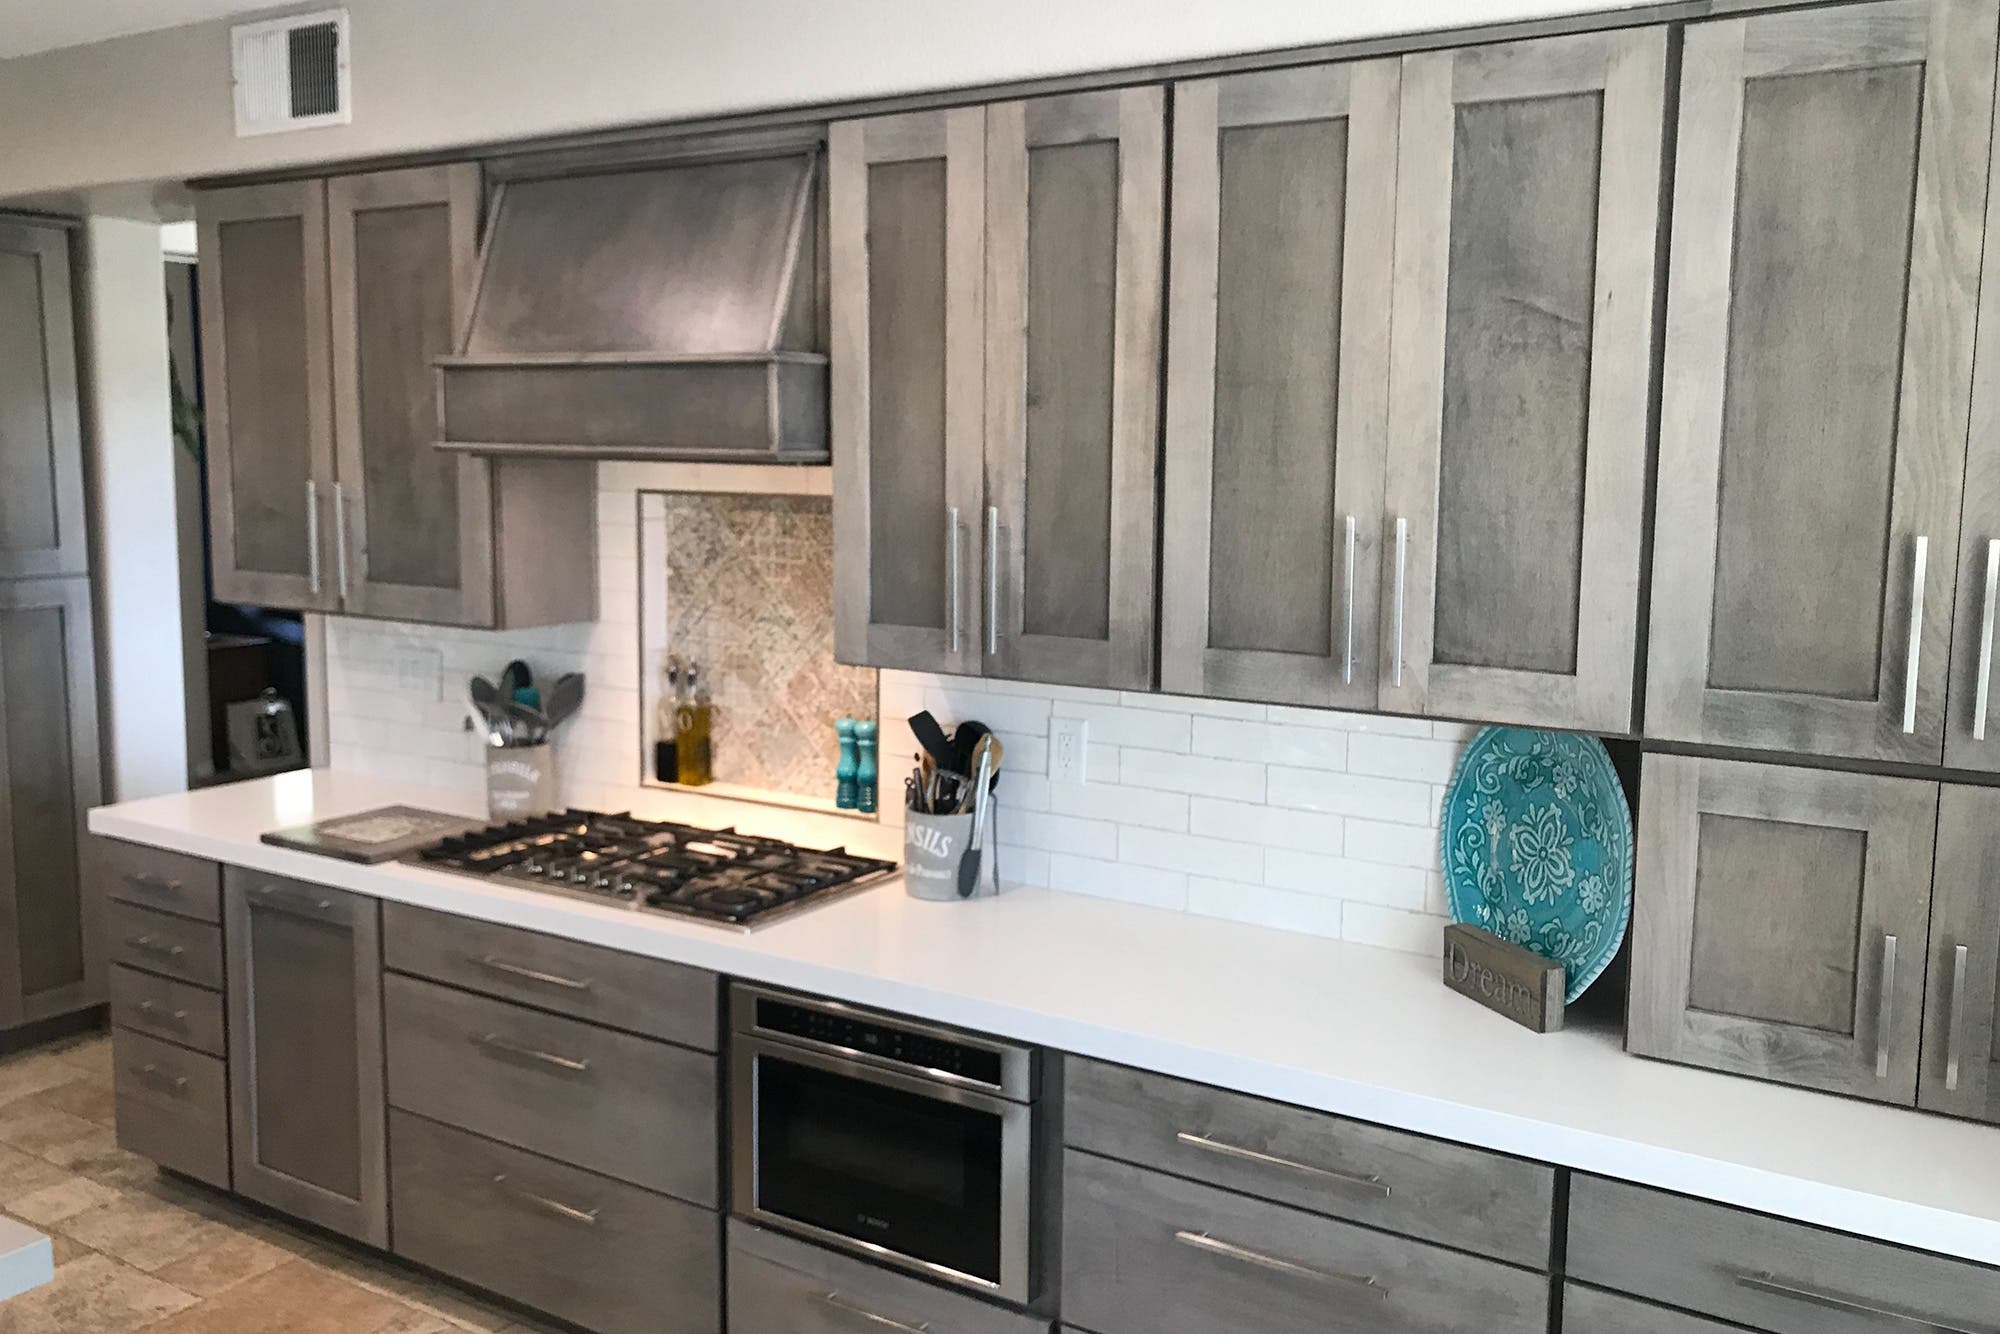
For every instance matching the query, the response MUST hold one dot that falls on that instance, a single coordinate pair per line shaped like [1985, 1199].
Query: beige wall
[434, 74]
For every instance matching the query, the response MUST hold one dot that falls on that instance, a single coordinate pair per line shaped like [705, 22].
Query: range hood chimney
[670, 309]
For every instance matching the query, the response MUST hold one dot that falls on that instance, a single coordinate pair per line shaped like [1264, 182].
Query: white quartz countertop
[1345, 1028]
[27, 1260]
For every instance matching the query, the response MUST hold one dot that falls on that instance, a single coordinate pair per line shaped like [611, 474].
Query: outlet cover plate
[1069, 746]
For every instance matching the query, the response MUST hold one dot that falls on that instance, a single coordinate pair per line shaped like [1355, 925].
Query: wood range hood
[670, 308]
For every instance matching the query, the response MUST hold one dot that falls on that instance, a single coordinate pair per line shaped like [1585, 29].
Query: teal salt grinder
[865, 774]
[845, 794]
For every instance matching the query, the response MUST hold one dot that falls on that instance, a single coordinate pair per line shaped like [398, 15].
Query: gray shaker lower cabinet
[1765, 1273]
[172, 1106]
[1147, 1253]
[778, 1285]
[305, 1051]
[1780, 921]
[593, 1251]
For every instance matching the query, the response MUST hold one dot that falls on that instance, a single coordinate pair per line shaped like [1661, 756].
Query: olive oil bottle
[694, 719]
[666, 726]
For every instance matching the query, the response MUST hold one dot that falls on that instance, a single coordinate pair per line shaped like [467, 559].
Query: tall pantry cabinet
[51, 951]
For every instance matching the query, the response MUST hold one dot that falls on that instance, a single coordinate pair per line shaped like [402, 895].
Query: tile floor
[136, 1250]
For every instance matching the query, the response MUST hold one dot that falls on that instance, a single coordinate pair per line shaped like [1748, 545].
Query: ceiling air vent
[291, 73]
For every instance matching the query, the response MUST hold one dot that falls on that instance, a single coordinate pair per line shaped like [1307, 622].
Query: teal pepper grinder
[845, 794]
[865, 773]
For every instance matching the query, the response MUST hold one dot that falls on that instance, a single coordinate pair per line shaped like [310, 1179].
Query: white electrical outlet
[1069, 740]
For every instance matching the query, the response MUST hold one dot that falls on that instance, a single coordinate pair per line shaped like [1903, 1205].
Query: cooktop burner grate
[714, 875]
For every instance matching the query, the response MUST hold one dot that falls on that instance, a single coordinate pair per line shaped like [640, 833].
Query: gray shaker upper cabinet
[41, 444]
[1280, 262]
[1780, 922]
[1075, 230]
[1829, 196]
[324, 306]
[906, 198]
[1528, 203]
[416, 536]
[268, 394]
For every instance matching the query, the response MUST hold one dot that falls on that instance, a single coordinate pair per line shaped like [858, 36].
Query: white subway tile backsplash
[1240, 779]
[1192, 853]
[1403, 757]
[1276, 743]
[1311, 820]
[1117, 880]
[1350, 794]
[1261, 905]
[1271, 826]
[1115, 725]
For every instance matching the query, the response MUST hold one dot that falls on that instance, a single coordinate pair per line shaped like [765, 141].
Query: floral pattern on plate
[1537, 846]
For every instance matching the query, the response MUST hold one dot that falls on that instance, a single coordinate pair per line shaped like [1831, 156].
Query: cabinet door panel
[41, 441]
[906, 205]
[52, 961]
[1779, 922]
[419, 522]
[305, 1052]
[1527, 210]
[269, 394]
[1827, 221]
[1961, 1060]
[1075, 206]
[1278, 332]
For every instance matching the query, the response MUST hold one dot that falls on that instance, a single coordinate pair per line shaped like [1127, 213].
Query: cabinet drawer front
[780, 1283]
[1788, 1278]
[162, 1008]
[162, 943]
[173, 1106]
[1588, 1311]
[166, 881]
[634, 1109]
[648, 996]
[1463, 1197]
[579, 1246]
[1147, 1253]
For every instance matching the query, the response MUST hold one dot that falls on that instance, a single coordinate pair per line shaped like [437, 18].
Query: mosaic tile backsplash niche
[749, 597]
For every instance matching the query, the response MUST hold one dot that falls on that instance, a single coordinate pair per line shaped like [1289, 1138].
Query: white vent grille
[291, 73]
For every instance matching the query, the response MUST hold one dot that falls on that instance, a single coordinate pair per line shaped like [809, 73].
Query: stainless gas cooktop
[712, 875]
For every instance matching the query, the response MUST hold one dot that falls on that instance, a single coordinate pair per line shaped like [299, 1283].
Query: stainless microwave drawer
[778, 1283]
[625, 1106]
[1148, 1253]
[579, 1246]
[1768, 1273]
[1463, 1197]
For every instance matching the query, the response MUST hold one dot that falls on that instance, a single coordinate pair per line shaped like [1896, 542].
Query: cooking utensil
[563, 699]
[932, 738]
[517, 675]
[968, 867]
[987, 752]
[486, 699]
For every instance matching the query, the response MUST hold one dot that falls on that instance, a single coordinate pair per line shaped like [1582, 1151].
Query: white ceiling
[28, 26]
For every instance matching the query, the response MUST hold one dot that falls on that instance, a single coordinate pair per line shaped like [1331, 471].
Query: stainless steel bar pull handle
[1402, 571]
[500, 965]
[154, 1010]
[951, 575]
[150, 946]
[156, 884]
[1983, 688]
[992, 580]
[1201, 1241]
[1776, 1287]
[1885, 1010]
[312, 536]
[1954, 1040]
[1372, 1184]
[159, 1079]
[836, 1302]
[1347, 608]
[1919, 567]
[340, 536]
[493, 1042]
[587, 1217]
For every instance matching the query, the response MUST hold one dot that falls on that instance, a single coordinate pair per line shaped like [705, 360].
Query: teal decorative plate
[1537, 844]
